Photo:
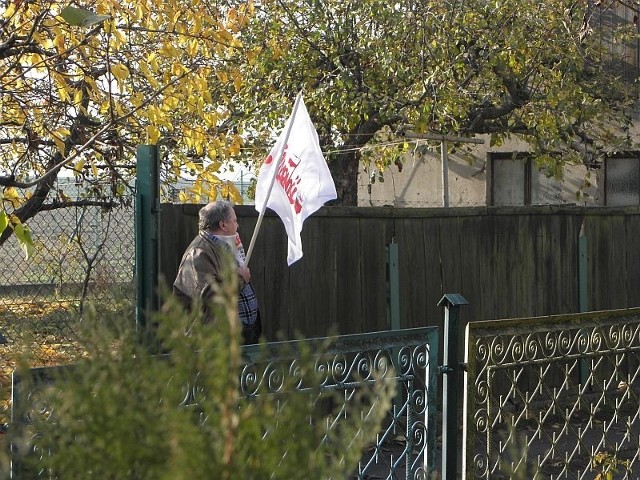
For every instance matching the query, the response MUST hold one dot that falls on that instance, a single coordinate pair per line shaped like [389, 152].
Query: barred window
[515, 180]
[622, 180]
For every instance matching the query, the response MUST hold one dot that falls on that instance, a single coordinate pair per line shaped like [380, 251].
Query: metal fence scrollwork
[554, 398]
[405, 446]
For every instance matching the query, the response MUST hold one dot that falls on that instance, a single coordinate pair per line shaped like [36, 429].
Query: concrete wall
[420, 183]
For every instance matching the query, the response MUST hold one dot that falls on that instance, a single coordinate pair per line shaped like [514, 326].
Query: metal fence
[80, 254]
[553, 397]
[405, 446]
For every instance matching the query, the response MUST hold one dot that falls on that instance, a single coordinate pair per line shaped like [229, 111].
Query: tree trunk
[345, 164]
[31, 207]
[344, 170]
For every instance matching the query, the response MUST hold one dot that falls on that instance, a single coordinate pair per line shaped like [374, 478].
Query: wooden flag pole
[273, 179]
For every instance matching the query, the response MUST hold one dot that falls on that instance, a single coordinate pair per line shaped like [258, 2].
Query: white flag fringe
[303, 182]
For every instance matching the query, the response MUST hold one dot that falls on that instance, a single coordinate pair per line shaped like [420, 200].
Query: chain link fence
[83, 257]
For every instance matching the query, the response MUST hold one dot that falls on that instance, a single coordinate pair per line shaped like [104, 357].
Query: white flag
[302, 179]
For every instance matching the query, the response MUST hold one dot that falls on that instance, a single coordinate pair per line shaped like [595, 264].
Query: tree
[211, 83]
[81, 87]
[371, 68]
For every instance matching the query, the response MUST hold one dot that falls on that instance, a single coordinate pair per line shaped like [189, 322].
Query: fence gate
[553, 397]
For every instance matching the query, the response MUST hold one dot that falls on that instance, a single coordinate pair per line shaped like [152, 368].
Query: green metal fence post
[451, 303]
[147, 241]
[393, 307]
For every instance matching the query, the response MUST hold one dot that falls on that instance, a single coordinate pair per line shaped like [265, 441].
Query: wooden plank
[344, 239]
[412, 266]
[178, 226]
[312, 287]
[373, 277]
[275, 303]
[476, 256]
[632, 230]
[607, 256]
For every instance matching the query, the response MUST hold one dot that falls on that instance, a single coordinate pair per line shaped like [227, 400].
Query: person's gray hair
[210, 216]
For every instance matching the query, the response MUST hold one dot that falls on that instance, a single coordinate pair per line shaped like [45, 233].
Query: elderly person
[204, 259]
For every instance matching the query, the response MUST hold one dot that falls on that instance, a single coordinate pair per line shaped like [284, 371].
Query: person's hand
[245, 274]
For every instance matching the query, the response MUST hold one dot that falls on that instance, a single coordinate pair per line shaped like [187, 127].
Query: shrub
[125, 412]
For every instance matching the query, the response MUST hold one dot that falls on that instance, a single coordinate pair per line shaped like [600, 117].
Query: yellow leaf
[252, 55]
[63, 92]
[4, 220]
[120, 36]
[77, 96]
[177, 69]
[58, 41]
[233, 193]
[94, 171]
[59, 141]
[222, 76]
[153, 134]
[183, 197]
[168, 50]
[92, 83]
[120, 71]
[193, 47]
[79, 165]
[9, 12]
[237, 81]
[136, 99]
[11, 194]
[214, 167]
[170, 103]
[152, 60]
[149, 75]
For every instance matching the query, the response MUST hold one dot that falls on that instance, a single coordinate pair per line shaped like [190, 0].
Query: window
[515, 180]
[622, 180]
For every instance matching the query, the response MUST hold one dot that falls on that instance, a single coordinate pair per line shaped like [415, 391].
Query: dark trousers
[251, 333]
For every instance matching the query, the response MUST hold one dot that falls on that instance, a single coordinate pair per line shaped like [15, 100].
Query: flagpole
[273, 179]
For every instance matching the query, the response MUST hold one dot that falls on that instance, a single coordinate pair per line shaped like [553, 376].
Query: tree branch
[55, 205]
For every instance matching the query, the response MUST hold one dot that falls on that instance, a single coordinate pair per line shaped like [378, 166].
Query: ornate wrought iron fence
[554, 397]
[404, 448]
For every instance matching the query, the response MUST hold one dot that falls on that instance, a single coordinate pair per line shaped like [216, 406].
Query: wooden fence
[508, 262]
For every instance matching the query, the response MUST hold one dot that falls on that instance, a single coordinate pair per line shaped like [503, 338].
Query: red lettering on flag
[289, 181]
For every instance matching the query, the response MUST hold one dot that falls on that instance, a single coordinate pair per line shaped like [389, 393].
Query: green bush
[122, 412]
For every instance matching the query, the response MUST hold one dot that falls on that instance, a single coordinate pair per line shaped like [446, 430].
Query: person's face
[230, 225]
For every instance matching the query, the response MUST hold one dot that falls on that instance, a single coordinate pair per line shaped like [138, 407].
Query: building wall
[470, 180]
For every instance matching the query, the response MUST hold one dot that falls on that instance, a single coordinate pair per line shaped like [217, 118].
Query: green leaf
[79, 17]
[24, 237]
[4, 221]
